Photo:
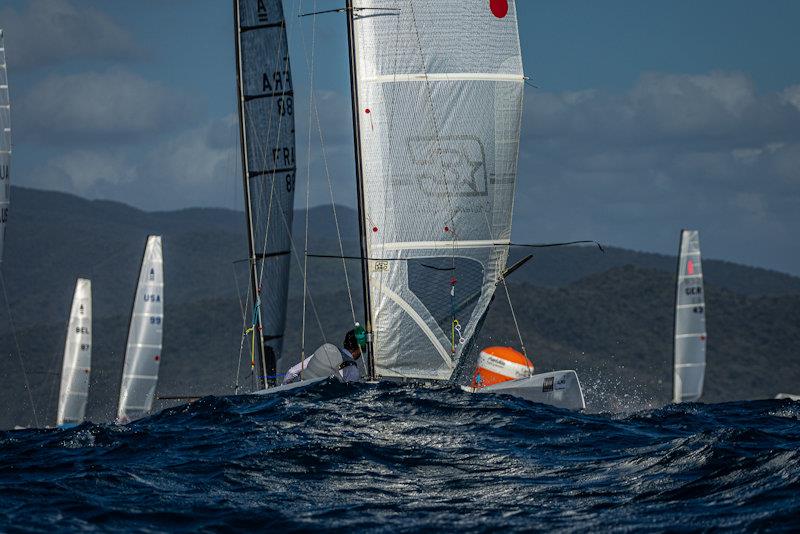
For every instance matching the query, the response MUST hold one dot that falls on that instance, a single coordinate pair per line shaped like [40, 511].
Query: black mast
[265, 368]
[360, 189]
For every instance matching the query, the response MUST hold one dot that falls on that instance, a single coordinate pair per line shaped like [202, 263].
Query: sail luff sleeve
[690, 322]
[268, 123]
[145, 336]
[5, 145]
[440, 88]
[77, 363]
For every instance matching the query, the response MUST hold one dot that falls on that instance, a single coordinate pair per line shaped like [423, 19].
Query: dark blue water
[399, 458]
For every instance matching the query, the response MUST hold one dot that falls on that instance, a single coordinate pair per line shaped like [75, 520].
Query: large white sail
[266, 114]
[77, 364]
[143, 353]
[690, 322]
[439, 103]
[5, 145]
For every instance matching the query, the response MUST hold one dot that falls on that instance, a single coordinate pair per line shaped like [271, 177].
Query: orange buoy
[500, 364]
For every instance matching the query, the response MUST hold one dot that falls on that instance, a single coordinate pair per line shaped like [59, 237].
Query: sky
[646, 117]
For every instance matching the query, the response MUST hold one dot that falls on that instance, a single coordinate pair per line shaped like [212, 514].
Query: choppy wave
[403, 458]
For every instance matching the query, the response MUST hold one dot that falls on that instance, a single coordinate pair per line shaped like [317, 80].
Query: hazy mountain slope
[577, 307]
[619, 341]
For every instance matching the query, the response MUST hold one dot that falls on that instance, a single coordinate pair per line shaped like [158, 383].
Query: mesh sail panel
[270, 153]
[143, 353]
[5, 145]
[690, 321]
[77, 364]
[439, 100]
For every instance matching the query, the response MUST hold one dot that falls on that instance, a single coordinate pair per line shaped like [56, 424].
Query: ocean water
[399, 458]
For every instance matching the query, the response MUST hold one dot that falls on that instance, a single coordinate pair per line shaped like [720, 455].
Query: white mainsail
[439, 104]
[266, 114]
[690, 322]
[5, 145]
[77, 366]
[143, 353]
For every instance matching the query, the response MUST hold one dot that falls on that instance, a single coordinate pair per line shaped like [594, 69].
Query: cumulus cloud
[705, 151]
[674, 151]
[191, 168]
[48, 32]
[113, 105]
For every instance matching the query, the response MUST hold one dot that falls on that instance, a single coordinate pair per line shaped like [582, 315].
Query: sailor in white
[325, 362]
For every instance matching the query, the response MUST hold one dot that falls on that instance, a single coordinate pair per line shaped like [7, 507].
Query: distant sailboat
[5, 145]
[266, 120]
[77, 364]
[690, 322]
[143, 353]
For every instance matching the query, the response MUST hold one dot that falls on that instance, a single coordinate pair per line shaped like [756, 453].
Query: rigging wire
[513, 316]
[243, 308]
[308, 190]
[315, 108]
[16, 344]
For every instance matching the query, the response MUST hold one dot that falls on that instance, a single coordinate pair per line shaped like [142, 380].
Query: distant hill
[607, 315]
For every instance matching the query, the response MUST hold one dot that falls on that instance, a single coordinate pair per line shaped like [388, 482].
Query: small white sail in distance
[5, 145]
[143, 352]
[690, 322]
[77, 364]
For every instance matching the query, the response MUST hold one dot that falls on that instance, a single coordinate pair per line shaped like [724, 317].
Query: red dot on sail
[499, 8]
[446, 228]
[156, 357]
[690, 267]
[374, 228]
[366, 110]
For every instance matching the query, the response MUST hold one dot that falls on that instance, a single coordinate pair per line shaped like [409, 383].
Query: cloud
[674, 151]
[49, 32]
[110, 106]
[706, 151]
[190, 169]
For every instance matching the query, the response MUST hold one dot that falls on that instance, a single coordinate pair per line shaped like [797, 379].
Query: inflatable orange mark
[500, 364]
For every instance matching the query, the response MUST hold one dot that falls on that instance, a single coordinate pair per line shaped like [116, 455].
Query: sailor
[351, 352]
[326, 362]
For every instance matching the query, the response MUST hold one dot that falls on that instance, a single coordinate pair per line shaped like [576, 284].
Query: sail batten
[5, 145]
[690, 322]
[439, 115]
[77, 364]
[266, 114]
[145, 337]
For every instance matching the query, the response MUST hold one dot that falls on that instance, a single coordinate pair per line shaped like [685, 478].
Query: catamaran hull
[558, 388]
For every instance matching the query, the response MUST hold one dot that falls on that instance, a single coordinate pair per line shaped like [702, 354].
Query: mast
[675, 396]
[265, 368]
[360, 189]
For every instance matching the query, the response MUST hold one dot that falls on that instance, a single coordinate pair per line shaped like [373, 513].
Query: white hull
[293, 385]
[558, 388]
[781, 396]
